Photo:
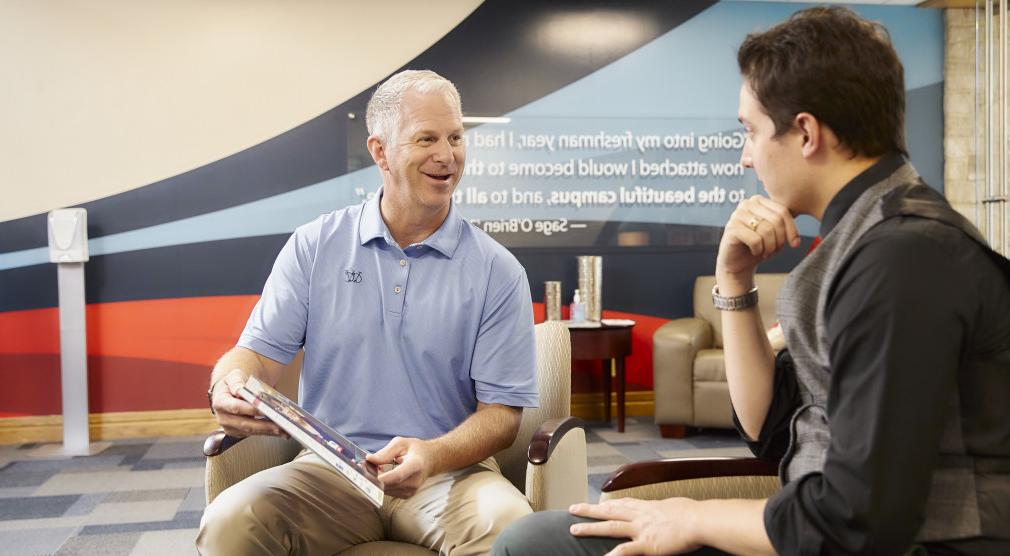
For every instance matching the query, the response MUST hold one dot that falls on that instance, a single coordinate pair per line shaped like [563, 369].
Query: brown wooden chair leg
[606, 389]
[619, 363]
[673, 431]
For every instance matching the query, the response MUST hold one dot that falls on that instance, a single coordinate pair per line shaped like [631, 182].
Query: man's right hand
[758, 229]
[236, 416]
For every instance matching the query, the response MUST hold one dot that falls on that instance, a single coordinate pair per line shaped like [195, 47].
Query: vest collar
[842, 200]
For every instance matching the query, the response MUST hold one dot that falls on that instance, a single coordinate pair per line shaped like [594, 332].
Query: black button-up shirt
[912, 297]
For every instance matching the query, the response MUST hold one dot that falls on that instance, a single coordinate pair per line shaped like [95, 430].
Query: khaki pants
[306, 507]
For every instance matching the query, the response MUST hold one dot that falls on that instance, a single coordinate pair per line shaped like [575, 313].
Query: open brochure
[345, 456]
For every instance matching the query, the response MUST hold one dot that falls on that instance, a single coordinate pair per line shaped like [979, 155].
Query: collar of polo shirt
[444, 240]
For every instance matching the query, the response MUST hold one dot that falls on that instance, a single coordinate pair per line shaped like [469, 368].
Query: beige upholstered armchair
[696, 478]
[689, 371]
[547, 461]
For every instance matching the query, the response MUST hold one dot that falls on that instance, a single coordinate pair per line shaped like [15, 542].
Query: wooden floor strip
[110, 426]
[186, 422]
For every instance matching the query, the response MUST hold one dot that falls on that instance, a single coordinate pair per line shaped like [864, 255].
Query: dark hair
[840, 68]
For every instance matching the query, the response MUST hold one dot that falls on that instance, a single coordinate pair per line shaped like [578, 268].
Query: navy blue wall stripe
[231, 267]
[646, 280]
[499, 63]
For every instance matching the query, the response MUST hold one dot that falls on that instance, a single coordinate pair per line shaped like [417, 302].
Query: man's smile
[439, 176]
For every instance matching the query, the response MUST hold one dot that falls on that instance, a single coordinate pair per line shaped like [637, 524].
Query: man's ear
[378, 151]
[811, 131]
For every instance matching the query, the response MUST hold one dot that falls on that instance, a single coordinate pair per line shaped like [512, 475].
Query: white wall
[101, 96]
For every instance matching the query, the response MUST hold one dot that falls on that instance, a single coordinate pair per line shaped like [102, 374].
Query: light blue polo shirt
[398, 342]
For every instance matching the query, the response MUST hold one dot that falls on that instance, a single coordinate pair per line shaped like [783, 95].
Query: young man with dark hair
[889, 407]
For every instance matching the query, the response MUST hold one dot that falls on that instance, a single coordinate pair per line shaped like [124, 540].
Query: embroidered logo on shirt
[353, 276]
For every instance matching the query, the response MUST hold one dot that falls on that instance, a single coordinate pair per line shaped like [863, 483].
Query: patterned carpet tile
[65, 465]
[15, 478]
[120, 480]
[130, 497]
[146, 496]
[738, 452]
[15, 492]
[148, 511]
[91, 545]
[33, 542]
[21, 453]
[177, 542]
[190, 521]
[194, 501]
[86, 504]
[36, 507]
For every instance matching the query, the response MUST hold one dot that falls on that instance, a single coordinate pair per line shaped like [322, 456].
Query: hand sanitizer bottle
[578, 308]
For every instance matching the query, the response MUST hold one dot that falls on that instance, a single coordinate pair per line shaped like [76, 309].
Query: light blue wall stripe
[28, 257]
[280, 214]
[691, 71]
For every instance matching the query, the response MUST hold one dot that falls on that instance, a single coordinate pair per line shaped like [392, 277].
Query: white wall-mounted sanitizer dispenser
[68, 235]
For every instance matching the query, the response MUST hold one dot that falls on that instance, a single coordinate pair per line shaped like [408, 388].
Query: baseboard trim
[110, 426]
[188, 422]
[637, 403]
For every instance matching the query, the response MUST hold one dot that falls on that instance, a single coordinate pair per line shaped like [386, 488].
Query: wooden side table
[608, 342]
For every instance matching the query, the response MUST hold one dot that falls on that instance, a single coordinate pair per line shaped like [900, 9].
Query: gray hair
[382, 117]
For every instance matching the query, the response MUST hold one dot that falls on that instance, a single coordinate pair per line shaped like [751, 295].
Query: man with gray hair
[418, 336]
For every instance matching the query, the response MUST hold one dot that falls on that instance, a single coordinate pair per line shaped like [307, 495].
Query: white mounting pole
[73, 358]
[68, 248]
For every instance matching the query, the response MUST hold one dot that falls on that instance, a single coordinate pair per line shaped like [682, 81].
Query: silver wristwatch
[737, 303]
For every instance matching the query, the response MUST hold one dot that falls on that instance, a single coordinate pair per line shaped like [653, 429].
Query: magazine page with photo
[336, 449]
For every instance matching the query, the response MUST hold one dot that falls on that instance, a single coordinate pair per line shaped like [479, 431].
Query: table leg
[606, 389]
[620, 394]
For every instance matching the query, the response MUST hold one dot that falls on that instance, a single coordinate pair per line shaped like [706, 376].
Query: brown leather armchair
[547, 461]
[689, 371]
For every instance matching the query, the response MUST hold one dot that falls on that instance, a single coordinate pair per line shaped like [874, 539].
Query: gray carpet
[145, 497]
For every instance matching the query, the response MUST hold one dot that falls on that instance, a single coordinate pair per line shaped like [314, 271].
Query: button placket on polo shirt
[393, 279]
[399, 271]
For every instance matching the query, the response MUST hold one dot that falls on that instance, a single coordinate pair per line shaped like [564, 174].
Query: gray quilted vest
[953, 510]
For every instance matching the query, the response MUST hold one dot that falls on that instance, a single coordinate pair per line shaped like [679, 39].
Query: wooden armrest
[548, 436]
[660, 471]
[217, 442]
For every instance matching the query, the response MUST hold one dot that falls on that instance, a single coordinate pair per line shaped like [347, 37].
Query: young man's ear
[811, 131]
[378, 152]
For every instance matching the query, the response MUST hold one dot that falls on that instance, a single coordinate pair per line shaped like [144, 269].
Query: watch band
[736, 303]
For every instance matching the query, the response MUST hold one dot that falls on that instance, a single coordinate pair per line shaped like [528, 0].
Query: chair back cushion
[768, 289]
[554, 378]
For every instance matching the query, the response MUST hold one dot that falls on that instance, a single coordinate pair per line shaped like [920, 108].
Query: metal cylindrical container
[552, 299]
[591, 285]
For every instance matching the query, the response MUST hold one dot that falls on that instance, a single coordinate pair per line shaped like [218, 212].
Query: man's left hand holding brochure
[345, 456]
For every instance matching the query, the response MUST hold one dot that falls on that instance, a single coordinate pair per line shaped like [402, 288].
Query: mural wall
[616, 135]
